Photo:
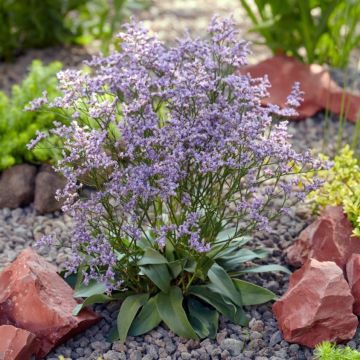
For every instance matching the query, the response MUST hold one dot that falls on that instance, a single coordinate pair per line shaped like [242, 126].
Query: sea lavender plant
[184, 163]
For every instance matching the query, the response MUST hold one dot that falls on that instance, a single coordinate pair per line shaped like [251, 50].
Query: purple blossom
[175, 143]
[296, 96]
[39, 136]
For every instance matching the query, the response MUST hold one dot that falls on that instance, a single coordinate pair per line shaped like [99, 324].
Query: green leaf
[93, 288]
[214, 299]
[113, 334]
[71, 280]
[171, 311]
[244, 255]
[94, 299]
[176, 267]
[218, 250]
[190, 265]
[159, 274]
[226, 234]
[119, 255]
[169, 250]
[223, 284]
[263, 268]
[145, 242]
[127, 313]
[151, 256]
[147, 319]
[252, 294]
[202, 267]
[240, 317]
[233, 260]
[203, 319]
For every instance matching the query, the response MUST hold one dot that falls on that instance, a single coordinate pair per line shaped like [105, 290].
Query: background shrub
[36, 24]
[31, 23]
[18, 127]
[341, 187]
[320, 31]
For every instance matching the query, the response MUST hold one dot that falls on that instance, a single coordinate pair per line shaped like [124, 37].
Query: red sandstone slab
[34, 297]
[321, 92]
[317, 306]
[16, 344]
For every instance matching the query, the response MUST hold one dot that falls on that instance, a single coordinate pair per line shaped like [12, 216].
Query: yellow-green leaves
[341, 187]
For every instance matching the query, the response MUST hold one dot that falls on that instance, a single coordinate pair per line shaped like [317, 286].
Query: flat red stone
[317, 306]
[34, 297]
[353, 277]
[16, 344]
[329, 238]
[321, 92]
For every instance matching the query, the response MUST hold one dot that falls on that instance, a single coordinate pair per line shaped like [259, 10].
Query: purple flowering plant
[184, 164]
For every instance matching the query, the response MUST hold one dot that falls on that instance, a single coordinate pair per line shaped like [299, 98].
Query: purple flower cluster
[177, 146]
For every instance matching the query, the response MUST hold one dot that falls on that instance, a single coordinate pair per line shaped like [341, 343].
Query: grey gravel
[233, 346]
[275, 338]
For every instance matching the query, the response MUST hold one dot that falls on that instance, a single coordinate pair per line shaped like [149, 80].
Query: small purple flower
[39, 136]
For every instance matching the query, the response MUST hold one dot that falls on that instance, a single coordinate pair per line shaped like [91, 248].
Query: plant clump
[341, 187]
[184, 164]
[320, 31]
[18, 127]
[329, 351]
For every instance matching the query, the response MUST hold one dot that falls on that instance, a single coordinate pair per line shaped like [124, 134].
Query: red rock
[329, 238]
[34, 297]
[353, 277]
[317, 306]
[16, 344]
[321, 92]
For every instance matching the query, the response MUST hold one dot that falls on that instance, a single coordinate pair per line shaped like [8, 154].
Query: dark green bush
[33, 23]
[320, 31]
[41, 23]
[18, 127]
[100, 19]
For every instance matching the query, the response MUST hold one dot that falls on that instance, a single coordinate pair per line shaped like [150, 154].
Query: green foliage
[341, 187]
[328, 351]
[37, 24]
[31, 23]
[100, 19]
[188, 306]
[18, 127]
[320, 31]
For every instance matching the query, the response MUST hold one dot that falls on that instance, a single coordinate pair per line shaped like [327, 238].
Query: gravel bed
[262, 340]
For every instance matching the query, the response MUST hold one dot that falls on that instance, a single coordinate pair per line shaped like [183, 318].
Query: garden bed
[262, 340]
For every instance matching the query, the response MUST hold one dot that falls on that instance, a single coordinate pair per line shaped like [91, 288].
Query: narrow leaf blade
[252, 294]
[223, 284]
[171, 311]
[127, 313]
[93, 288]
[151, 256]
[159, 274]
[94, 299]
[203, 319]
[147, 319]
